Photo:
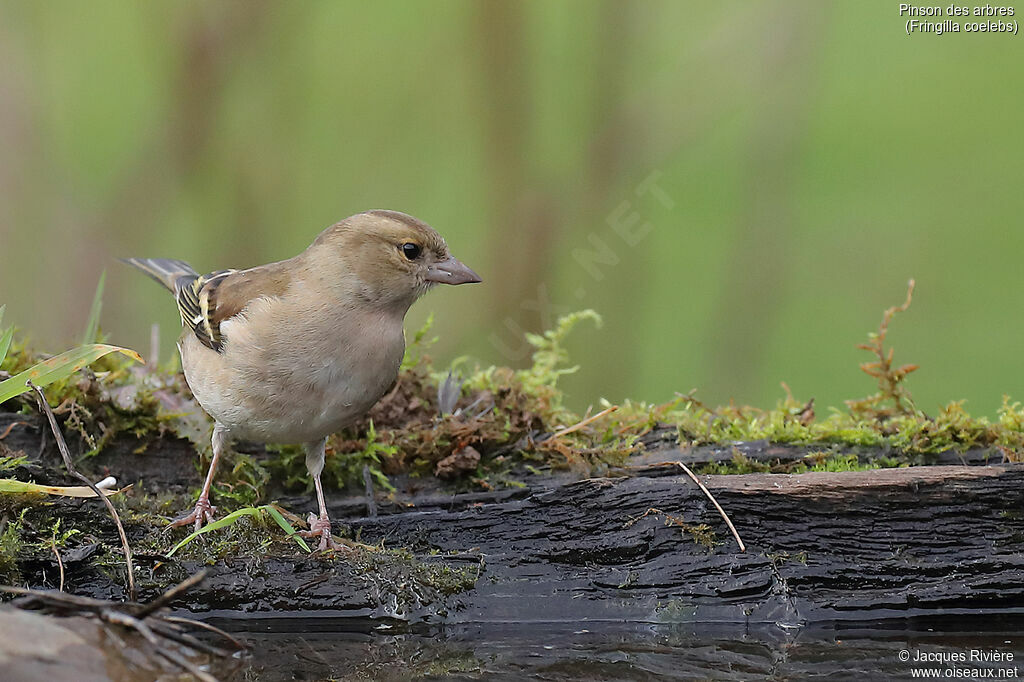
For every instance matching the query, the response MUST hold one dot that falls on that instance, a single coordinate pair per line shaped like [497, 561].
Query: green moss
[243, 481]
[12, 504]
[348, 467]
[249, 537]
[10, 463]
[837, 462]
[739, 464]
[55, 536]
[676, 611]
[908, 435]
[11, 546]
[517, 421]
[400, 573]
[495, 406]
[701, 533]
[550, 361]
[780, 558]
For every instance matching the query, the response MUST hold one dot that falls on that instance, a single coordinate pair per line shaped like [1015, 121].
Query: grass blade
[286, 527]
[92, 326]
[218, 524]
[239, 513]
[5, 335]
[59, 367]
[5, 342]
[15, 487]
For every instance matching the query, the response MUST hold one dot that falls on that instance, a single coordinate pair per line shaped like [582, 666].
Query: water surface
[313, 649]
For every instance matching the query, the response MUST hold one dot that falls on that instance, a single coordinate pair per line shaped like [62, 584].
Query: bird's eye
[411, 251]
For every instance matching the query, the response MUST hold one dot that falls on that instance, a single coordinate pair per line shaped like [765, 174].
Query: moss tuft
[10, 549]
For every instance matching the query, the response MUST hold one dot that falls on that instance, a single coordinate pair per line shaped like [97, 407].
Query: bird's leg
[204, 511]
[319, 526]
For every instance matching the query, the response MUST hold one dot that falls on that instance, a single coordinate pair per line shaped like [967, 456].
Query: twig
[44, 407]
[175, 634]
[10, 427]
[633, 519]
[121, 618]
[183, 586]
[139, 617]
[725, 517]
[467, 408]
[205, 626]
[60, 563]
[393, 391]
[56, 599]
[579, 425]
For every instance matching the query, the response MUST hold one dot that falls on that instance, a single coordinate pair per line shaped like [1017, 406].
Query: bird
[293, 351]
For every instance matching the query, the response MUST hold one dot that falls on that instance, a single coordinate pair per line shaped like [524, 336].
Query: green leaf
[92, 327]
[237, 514]
[59, 367]
[15, 487]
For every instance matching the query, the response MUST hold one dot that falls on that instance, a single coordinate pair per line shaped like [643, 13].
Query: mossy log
[643, 545]
[821, 547]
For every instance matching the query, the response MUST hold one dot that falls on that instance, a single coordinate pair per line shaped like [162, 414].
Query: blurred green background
[778, 170]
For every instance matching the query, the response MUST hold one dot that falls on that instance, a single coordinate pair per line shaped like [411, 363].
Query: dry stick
[162, 626]
[579, 425]
[205, 626]
[56, 599]
[10, 427]
[63, 447]
[170, 594]
[175, 634]
[66, 601]
[143, 629]
[60, 563]
[743, 548]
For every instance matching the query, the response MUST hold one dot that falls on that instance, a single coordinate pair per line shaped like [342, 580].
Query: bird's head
[392, 258]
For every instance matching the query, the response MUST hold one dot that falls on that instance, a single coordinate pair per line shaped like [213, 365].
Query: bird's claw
[203, 513]
[320, 527]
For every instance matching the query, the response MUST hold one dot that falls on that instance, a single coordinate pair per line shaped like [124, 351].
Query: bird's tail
[164, 270]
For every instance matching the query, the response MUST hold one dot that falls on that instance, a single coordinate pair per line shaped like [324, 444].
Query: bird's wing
[205, 301]
[196, 297]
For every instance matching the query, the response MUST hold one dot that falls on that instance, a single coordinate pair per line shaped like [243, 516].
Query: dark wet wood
[822, 547]
[926, 542]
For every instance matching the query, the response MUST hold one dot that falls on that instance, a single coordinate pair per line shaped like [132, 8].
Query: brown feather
[206, 301]
[229, 296]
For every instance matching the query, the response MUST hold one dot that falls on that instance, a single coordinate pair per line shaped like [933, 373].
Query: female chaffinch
[293, 351]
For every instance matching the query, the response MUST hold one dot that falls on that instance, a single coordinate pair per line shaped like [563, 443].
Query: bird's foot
[203, 513]
[320, 527]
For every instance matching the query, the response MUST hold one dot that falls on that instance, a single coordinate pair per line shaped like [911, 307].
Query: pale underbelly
[295, 416]
[285, 406]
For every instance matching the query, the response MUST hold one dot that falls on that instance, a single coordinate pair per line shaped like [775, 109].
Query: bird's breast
[298, 384]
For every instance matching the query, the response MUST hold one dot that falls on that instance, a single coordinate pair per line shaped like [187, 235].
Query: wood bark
[849, 548]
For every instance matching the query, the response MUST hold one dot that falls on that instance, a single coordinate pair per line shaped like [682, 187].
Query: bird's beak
[451, 271]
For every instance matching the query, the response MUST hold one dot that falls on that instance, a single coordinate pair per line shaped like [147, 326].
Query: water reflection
[304, 649]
